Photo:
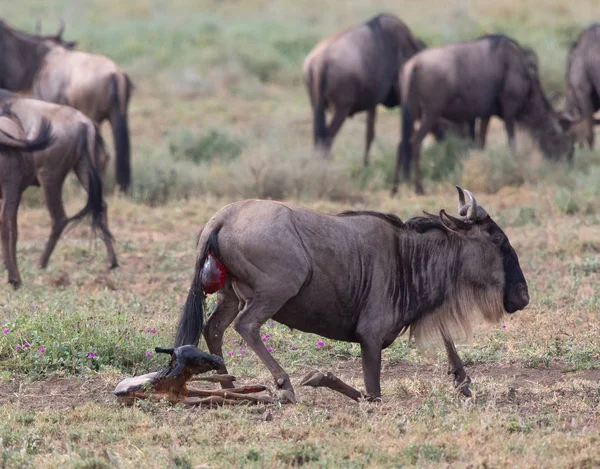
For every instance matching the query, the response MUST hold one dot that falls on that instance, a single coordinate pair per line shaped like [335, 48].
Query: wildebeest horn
[61, 30]
[461, 201]
[475, 212]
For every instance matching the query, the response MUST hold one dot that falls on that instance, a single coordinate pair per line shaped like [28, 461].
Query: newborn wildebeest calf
[76, 145]
[361, 277]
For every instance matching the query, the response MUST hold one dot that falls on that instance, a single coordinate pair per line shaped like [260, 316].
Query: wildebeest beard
[462, 303]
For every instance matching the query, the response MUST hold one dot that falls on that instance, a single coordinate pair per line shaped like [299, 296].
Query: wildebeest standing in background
[354, 71]
[76, 145]
[491, 76]
[90, 83]
[583, 82]
[361, 277]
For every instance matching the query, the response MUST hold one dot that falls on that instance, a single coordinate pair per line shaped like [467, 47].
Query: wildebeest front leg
[370, 352]
[483, 126]
[456, 368]
[371, 117]
[223, 315]
[53, 196]
[510, 132]
[256, 312]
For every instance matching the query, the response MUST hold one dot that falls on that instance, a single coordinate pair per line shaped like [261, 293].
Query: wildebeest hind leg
[336, 124]
[371, 117]
[456, 368]
[53, 196]
[82, 174]
[370, 352]
[256, 312]
[223, 315]
[9, 235]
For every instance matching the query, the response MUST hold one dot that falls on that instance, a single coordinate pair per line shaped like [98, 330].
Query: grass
[219, 113]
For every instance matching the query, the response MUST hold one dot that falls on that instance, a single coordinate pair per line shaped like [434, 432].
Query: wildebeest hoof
[419, 190]
[462, 386]
[114, 265]
[285, 396]
[15, 283]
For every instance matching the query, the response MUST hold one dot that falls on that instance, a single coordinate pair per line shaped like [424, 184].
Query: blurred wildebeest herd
[362, 277]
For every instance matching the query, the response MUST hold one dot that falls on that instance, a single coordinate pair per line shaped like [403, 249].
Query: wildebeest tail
[121, 90]
[408, 121]
[89, 145]
[320, 123]
[42, 140]
[192, 317]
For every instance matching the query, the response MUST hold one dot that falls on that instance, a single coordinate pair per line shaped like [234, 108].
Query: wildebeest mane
[425, 223]
[388, 217]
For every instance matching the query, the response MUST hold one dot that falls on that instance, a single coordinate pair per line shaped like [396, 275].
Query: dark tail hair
[42, 140]
[192, 317]
[121, 89]
[408, 122]
[95, 202]
[320, 123]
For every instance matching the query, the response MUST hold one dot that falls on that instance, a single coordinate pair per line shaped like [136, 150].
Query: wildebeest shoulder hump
[427, 223]
[388, 217]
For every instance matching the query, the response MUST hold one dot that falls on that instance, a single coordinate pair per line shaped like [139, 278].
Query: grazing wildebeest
[91, 83]
[361, 277]
[76, 145]
[583, 83]
[354, 71]
[490, 76]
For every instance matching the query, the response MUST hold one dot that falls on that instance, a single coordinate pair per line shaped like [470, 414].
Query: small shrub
[442, 160]
[187, 145]
[565, 201]
[489, 171]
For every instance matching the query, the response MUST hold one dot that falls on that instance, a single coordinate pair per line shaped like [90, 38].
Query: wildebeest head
[56, 38]
[489, 259]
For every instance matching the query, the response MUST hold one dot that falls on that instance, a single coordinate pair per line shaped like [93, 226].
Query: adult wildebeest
[490, 76]
[583, 82]
[361, 277]
[90, 83]
[76, 145]
[354, 71]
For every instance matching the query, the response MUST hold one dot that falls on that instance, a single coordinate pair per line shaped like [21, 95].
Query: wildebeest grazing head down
[491, 76]
[583, 84]
[361, 277]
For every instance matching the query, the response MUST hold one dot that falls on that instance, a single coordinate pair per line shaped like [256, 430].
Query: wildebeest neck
[21, 58]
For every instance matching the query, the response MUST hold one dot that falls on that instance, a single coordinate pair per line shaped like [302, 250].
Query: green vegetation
[219, 113]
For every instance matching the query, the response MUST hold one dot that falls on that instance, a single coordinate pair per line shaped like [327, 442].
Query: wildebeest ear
[453, 224]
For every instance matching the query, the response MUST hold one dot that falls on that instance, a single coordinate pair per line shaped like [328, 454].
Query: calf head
[488, 261]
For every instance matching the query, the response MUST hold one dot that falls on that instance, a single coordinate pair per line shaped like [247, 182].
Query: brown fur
[361, 277]
[355, 70]
[583, 84]
[491, 76]
[76, 145]
[91, 83]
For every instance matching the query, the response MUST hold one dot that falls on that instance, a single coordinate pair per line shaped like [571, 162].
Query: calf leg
[456, 368]
[53, 196]
[371, 115]
[223, 315]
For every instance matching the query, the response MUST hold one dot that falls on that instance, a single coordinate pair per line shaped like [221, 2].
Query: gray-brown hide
[583, 83]
[361, 277]
[354, 71]
[76, 145]
[91, 83]
[491, 76]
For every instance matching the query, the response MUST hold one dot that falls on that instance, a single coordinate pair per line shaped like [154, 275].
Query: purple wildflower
[153, 330]
[25, 344]
[148, 354]
[92, 355]
[6, 331]
[503, 326]
[320, 343]
[293, 347]
[269, 349]
[243, 351]
[43, 350]
[271, 323]
[231, 354]
[117, 345]
[17, 347]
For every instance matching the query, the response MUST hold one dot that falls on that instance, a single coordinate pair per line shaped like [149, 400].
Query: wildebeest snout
[518, 298]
